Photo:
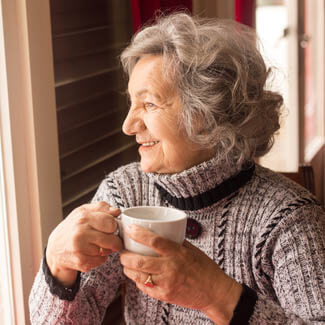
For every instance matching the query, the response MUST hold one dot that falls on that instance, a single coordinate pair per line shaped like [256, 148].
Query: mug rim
[184, 216]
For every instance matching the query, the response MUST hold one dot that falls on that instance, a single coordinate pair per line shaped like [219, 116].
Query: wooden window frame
[29, 141]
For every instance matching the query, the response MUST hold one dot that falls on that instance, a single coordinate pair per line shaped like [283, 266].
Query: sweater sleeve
[294, 263]
[97, 288]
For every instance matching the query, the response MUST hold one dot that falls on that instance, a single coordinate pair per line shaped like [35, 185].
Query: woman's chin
[147, 167]
[151, 167]
[159, 169]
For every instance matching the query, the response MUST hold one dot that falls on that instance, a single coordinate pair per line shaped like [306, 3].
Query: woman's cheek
[154, 123]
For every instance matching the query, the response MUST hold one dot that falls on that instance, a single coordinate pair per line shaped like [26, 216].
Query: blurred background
[62, 105]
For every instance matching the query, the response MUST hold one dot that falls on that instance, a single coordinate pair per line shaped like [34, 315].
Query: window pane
[313, 44]
[275, 49]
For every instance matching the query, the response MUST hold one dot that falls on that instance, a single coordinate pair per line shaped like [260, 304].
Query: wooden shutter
[88, 37]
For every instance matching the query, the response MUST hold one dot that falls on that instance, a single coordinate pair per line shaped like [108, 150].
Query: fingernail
[113, 208]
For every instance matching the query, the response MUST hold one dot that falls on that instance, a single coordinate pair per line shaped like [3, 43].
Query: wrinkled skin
[182, 275]
[74, 245]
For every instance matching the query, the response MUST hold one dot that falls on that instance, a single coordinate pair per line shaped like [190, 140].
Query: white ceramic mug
[169, 223]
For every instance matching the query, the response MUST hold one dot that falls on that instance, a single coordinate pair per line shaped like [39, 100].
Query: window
[292, 33]
[277, 52]
[312, 45]
[30, 193]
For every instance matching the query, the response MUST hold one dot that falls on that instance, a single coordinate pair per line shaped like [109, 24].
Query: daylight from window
[272, 29]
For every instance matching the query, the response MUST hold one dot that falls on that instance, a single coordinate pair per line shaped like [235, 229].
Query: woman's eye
[149, 106]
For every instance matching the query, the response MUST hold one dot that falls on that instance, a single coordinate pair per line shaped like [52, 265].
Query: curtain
[245, 12]
[144, 10]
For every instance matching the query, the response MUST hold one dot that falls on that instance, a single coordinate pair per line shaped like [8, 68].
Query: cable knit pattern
[268, 235]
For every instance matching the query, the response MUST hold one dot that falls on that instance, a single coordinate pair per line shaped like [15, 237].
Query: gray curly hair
[221, 76]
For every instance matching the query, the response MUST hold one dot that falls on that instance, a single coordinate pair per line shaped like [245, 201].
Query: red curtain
[245, 12]
[144, 10]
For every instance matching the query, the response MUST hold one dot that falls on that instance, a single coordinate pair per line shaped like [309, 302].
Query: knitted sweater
[262, 230]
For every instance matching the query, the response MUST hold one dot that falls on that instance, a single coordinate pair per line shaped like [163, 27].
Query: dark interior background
[88, 37]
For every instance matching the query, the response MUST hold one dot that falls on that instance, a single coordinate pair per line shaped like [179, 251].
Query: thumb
[114, 211]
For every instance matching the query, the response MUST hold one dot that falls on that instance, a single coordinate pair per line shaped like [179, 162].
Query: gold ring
[149, 283]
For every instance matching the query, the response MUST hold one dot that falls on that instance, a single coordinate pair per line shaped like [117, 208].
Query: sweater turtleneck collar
[204, 184]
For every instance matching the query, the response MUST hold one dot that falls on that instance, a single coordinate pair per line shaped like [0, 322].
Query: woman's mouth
[149, 144]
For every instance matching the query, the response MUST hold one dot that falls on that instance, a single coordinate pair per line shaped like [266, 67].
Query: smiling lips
[149, 144]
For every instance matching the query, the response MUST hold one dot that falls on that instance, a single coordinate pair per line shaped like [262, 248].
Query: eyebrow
[144, 91]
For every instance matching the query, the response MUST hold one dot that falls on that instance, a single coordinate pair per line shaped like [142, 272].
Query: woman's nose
[133, 123]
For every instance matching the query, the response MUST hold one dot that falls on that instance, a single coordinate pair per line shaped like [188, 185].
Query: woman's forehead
[147, 78]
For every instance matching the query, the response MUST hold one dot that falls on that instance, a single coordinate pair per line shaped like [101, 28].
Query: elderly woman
[255, 248]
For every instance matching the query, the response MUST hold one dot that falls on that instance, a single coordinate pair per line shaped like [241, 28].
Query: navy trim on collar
[203, 200]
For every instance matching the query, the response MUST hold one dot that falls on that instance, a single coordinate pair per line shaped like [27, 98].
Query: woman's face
[153, 119]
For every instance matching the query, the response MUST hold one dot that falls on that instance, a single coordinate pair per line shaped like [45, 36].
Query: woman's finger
[140, 277]
[166, 289]
[87, 248]
[144, 236]
[101, 206]
[100, 221]
[107, 241]
[94, 250]
[140, 263]
[81, 262]
[104, 251]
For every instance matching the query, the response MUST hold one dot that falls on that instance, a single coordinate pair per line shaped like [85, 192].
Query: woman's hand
[182, 275]
[82, 241]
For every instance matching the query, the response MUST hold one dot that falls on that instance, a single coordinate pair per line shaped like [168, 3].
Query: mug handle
[119, 230]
